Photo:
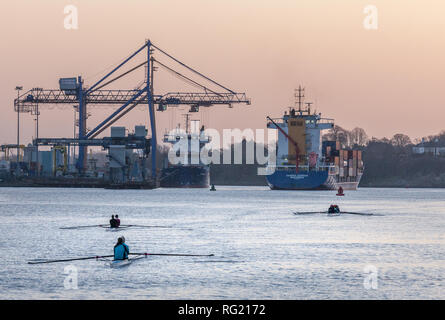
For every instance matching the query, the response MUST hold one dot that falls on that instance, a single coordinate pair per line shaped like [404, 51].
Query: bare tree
[337, 133]
[400, 140]
[358, 137]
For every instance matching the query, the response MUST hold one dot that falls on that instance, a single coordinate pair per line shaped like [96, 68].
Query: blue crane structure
[72, 91]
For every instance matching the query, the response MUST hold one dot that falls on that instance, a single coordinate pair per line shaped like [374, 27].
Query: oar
[309, 212]
[340, 213]
[65, 260]
[134, 254]
[172, 254]
[123, 226]
[120, 227]
[79, 227]
[363, 214]
[140, 226]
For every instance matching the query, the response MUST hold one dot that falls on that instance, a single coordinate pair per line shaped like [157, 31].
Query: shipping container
[351, 172]
[332, 145]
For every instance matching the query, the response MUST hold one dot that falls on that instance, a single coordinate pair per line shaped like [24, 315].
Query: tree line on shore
[389, 162]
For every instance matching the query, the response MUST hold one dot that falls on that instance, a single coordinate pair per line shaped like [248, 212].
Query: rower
[121, 250]
[113, 222]
[213, 188]
[118, 221]
[336, 209]
[333, 209]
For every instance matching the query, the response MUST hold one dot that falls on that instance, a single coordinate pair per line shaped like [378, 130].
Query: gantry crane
[72, 91]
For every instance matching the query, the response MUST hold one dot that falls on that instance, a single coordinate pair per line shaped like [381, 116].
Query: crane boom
[297, 150]
[55, 96]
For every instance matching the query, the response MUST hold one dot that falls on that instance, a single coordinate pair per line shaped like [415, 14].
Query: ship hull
[185, 177]
[309, 180]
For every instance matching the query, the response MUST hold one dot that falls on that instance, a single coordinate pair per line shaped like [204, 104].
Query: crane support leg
[81, 162]
[152, 113]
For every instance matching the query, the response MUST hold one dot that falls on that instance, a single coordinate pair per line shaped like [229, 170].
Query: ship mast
[299, 97]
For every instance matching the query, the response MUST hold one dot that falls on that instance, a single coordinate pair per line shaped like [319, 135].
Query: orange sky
[386, 81]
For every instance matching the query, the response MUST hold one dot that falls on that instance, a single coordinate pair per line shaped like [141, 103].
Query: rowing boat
[123, 263]
[114, 229]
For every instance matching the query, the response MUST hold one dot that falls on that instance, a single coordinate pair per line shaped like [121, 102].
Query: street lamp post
[18, 88]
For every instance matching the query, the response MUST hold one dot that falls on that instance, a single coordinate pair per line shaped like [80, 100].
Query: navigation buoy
[340, 192]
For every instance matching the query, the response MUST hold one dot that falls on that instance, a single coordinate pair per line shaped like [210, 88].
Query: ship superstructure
[190, 172]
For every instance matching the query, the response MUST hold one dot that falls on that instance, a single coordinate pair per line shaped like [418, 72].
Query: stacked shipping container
[348, 162]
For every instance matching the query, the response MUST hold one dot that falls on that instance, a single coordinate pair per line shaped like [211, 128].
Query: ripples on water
[262, 250]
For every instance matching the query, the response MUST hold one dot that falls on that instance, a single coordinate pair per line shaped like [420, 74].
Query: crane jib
[297, 150]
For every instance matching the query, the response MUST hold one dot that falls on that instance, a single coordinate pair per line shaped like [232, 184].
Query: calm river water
[262, 250]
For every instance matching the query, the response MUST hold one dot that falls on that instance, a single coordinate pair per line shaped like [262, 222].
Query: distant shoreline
[78, 186]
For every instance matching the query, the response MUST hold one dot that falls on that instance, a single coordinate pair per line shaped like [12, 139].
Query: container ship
[185, 174]
[303, 160]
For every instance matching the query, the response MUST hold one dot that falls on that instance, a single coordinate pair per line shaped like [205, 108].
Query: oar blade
[308, 212]
[82, 227]
[362, 213]
[144, 226]
[41, 261]
[173, 254]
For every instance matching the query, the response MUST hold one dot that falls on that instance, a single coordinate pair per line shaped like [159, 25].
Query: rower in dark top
[121, 250]
[113, 222]
[118, 221]
[333, 209]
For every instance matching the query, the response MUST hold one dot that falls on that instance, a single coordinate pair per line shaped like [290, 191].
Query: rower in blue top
[121, 250]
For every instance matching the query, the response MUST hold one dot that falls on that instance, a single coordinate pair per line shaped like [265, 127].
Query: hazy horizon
[385, 81]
